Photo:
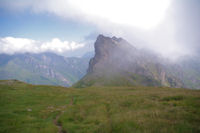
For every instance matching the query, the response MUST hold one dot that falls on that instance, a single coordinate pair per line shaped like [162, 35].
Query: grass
[33, 108]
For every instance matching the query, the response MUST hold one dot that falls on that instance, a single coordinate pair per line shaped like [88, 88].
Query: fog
[170, 28]
[175, 36]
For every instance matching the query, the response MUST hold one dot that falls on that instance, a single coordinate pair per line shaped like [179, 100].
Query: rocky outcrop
[43, 68]
[117, 62]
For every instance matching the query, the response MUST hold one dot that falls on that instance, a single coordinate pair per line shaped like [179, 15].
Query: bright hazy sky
[69, 27]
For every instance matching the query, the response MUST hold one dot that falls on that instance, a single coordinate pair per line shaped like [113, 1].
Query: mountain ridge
[117, 62]
[43, 68]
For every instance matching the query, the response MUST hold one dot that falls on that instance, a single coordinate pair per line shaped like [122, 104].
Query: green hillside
[26, 108]
[43, 68]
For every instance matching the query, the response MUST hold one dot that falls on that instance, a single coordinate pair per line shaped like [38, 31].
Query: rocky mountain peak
[117, 62]
[118, 39]
[104, 47]
[103, 42]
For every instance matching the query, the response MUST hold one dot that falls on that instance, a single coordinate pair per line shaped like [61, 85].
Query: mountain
[118, 63]
[115, 63]
[188, 70]
[43, 68]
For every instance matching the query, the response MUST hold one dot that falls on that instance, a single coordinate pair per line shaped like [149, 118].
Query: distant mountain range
[44, 68]
[118, 63]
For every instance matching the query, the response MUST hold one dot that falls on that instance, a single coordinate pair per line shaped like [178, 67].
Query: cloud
[139, 13]
[11, 45]
[187, 23]
[175, 36]
[168, 27]
[178, 34]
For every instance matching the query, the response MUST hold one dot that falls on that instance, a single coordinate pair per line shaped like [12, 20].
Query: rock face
[118, 63]
[43, 68]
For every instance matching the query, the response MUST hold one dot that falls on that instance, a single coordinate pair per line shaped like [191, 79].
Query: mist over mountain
[43, 68]
[118, 63]
[99, 66]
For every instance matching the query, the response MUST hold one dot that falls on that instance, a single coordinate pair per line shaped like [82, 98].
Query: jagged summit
[118, 41]
[106, 48]
[117, 62]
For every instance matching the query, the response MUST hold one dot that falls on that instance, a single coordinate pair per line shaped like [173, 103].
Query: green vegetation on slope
[122, 79]
[43, 68]
[34, 108]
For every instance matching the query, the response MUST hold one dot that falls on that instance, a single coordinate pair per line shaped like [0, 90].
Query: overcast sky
[69, 27]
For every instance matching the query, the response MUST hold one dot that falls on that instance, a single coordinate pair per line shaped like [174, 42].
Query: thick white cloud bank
[169, 27]
[11, 45]
[144, 14]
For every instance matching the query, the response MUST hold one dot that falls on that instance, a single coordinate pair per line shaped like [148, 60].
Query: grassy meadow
[26, 108]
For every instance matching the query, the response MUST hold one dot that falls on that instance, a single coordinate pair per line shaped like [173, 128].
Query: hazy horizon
[70, 27]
